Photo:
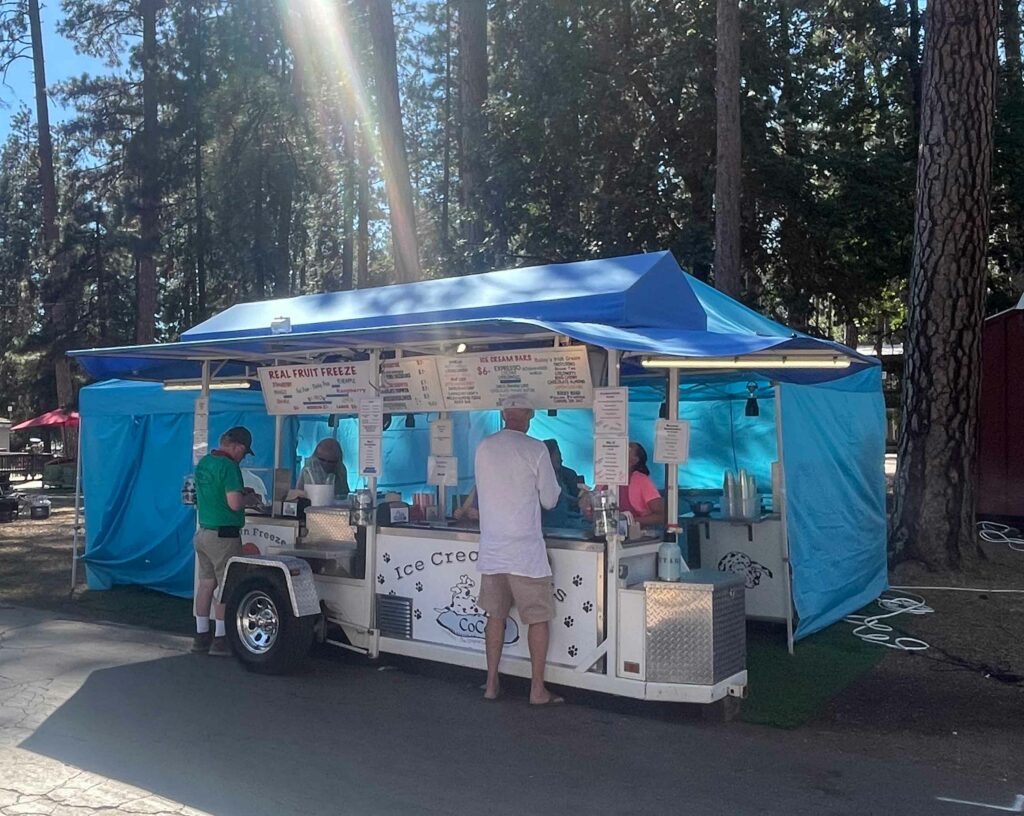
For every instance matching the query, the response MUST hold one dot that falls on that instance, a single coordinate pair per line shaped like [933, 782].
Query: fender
[294, 572]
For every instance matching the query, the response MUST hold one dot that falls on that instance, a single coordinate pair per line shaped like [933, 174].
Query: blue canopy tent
[644, 306]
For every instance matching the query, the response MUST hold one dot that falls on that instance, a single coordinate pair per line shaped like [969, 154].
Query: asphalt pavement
[108, 719]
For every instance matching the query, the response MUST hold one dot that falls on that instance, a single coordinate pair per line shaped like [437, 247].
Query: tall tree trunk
[61, 303]
[348, 207]
[363, 207]
[149, 243]
[397, 183]
[728, 276]
[1010, 13]
[446, 170]
[934, 507]
[472, 98]
[282, 261]
[195, 100]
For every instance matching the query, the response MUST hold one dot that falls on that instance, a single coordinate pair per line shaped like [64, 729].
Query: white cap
[516, 401]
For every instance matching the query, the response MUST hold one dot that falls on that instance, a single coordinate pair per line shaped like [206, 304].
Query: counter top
[690, 518]
[554, 538]
[252, 516]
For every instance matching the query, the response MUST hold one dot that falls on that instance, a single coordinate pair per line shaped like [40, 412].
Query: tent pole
[370, 566]
[78, 495]
[781, 510]
[672, 470]
[611, 621]
[204, 393]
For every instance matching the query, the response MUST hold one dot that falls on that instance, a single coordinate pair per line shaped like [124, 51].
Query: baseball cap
[516, 401]
[240, 435]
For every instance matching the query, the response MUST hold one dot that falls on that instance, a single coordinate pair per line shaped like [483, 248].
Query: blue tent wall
[136, 451]
[833, 439]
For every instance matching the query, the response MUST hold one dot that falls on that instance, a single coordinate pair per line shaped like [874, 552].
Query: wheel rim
[258, 622]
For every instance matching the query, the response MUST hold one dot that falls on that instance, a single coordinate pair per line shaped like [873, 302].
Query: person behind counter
[221, 499]
[514, 480]
[641, 497]
[325, 462]
[567, 512]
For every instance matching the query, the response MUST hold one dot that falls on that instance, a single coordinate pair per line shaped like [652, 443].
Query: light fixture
[281, 325]
[552, 412]
[196, 385]
[460, 348]
[752, 409]
[410, 420]
[663, 411]
[803, 360]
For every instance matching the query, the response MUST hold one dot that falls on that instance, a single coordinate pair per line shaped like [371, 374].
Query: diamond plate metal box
[327, 524]
[696, 628]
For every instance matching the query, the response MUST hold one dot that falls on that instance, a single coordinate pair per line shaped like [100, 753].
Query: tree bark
[363, 207]
[728, 275]
[934, 501]
[397, 183]
[149, 204]
[195, 100]
[472, 97]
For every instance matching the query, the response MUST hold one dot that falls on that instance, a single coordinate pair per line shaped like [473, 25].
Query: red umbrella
[57, 418]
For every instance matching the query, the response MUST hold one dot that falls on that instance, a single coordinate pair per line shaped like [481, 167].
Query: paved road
[111, 719]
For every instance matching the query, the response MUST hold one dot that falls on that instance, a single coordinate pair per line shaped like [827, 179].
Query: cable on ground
[870, 628]
[996, 533]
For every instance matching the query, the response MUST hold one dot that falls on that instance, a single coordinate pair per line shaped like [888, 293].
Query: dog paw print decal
[392, 592]
[573, 651]
[577, 580]
[380, 579]
[387, 558]
[417, 614]
[742, 564]
[588, 606]
[568, 623]
[419, 586]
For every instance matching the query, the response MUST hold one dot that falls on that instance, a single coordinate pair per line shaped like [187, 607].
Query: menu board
[611, 460]
[611, 411]
[327, 388]
[548, 377]
[671, 441]
[410, 384]
[200, 429]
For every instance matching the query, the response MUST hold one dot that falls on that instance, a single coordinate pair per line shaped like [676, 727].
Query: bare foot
[546, 699]
[492, 692]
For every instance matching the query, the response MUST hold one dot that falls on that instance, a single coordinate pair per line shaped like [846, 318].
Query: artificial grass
[786, 690]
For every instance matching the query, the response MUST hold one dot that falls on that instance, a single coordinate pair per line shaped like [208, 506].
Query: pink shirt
[640, 493]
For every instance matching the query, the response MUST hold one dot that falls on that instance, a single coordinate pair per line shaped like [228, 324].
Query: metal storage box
[696, 628]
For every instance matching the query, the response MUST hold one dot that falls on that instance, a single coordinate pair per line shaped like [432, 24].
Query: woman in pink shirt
[641, 497]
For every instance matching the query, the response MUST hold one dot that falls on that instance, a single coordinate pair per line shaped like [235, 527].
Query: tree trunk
[472, 97]
[283, 255]
[392, 136]
[149, 204]
[727, 166]
[195, 99]
[1011, 39]
[446, 169]
[363, 207]
[934, 502]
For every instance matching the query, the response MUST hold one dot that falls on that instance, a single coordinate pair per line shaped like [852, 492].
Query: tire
[261, 629]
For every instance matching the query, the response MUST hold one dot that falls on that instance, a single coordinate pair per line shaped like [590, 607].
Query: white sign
[369, 455]
[371, 416]
[671, 441]
[611, 460]
[611, 412]
[443, 470]
[323, 388]
[548, 377]
[441, 437]
[200, 429]
[441, 580]
[410, 384]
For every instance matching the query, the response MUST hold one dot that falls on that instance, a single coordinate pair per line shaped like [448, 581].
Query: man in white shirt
[514, 479]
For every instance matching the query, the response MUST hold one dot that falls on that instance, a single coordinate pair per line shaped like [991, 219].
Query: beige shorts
[534, 598]
[212, 554]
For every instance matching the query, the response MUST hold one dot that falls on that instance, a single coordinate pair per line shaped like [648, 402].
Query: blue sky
[61, 63]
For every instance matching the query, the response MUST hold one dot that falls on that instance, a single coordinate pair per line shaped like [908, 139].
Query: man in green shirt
[221, 499]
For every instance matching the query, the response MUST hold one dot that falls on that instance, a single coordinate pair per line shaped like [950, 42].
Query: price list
[410, 384]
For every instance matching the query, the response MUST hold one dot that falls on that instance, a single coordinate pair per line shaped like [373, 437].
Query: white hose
[996, 533]
[870, 629]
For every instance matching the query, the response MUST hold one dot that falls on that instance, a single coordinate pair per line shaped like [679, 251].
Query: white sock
[202, 624]
[219, 629]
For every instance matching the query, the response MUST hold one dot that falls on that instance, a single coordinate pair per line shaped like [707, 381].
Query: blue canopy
[639, 304]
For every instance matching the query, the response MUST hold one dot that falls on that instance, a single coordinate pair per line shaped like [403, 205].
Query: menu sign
[548, 377]
[327, 388]
[410, 384]
[671, 441]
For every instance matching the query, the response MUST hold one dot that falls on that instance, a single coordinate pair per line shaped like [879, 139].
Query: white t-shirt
[514, 479]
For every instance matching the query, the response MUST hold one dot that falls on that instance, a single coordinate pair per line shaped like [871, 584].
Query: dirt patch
[960, 702]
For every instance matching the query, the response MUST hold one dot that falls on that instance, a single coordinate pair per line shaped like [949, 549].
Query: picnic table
[26, 465]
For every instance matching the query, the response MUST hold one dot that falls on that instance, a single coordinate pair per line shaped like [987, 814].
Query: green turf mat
[786, 690]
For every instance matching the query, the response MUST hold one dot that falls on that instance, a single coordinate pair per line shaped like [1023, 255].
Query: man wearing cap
[221, 499]
[514, 480]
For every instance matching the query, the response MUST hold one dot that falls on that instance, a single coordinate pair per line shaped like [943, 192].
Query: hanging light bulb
[752, 409]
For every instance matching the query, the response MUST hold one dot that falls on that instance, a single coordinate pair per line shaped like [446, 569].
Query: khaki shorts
[534, 598]
[212, 554]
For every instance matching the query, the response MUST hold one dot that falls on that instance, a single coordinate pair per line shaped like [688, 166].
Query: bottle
[670, 561]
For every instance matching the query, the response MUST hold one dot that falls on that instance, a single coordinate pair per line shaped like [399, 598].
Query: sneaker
[201, 643]
[219, 647]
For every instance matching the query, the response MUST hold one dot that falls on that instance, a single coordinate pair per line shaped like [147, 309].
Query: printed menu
[410, 384]
[325, 388]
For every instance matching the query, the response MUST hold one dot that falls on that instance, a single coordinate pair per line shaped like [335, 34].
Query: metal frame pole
[78, 496]
[370, 568]
[204, 392]
[611, 624]
[672, 470]
[781, 510]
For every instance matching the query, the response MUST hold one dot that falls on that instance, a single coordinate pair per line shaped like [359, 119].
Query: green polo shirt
[215, 477]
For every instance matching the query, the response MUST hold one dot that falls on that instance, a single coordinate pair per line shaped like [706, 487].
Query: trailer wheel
[261, 629]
